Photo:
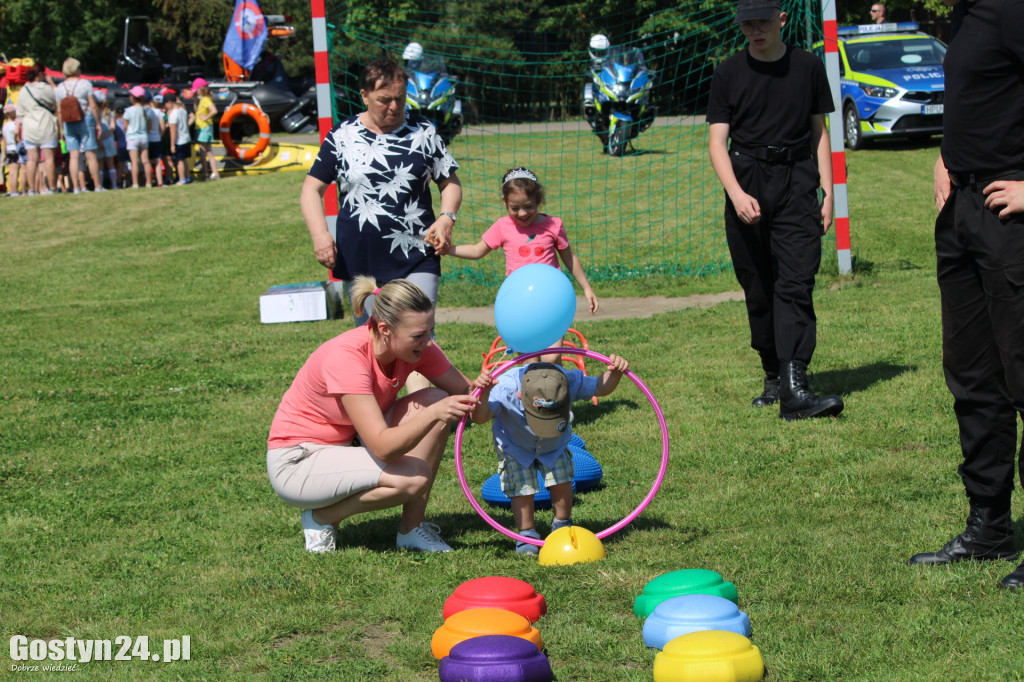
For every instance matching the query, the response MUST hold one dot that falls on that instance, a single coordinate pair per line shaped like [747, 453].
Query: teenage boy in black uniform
[770, 102]
[979, 243]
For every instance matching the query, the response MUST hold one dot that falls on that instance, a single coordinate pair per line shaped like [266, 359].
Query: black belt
[972, 180]
[773, 154]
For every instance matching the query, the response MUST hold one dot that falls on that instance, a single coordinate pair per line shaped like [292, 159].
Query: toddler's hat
[545, 395]
[752, 10]
[10, 107]
[99, 96]
[138, 91]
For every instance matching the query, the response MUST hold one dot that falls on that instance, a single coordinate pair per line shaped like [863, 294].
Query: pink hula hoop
[501, 369]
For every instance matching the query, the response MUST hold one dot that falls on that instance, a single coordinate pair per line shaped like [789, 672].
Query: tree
[183, 31]
[52, 30]
[193, 30]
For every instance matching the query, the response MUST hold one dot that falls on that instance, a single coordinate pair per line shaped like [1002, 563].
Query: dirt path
[611, 308]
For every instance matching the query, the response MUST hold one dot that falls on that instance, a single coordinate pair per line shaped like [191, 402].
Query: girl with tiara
[526, 235]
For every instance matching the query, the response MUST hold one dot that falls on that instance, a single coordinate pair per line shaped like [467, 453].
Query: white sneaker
[319, 538]
[423, 538]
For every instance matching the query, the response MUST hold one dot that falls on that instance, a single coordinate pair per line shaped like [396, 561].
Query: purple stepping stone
[495, 658]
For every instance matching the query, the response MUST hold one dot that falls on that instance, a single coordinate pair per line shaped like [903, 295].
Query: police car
[891, 82]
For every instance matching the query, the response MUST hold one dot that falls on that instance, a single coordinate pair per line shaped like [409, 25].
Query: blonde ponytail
[391, 300]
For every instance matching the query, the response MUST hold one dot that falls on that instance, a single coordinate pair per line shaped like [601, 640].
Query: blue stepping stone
[678, 616]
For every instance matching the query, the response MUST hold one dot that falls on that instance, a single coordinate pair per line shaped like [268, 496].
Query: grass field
[137, 386]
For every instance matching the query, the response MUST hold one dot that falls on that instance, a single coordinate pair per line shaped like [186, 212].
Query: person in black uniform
[979, 244]
[768, 104]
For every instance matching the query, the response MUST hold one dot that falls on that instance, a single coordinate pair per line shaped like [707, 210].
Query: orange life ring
[225, 131]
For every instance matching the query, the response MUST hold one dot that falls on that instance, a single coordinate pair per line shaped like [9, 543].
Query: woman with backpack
[80, 115]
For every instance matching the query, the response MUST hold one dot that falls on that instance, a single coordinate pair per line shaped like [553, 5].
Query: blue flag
[246, 35]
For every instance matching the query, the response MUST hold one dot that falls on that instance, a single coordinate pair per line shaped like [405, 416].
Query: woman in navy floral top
[383, 163]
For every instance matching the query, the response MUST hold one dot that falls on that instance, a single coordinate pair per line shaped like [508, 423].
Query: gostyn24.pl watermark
[66, 654]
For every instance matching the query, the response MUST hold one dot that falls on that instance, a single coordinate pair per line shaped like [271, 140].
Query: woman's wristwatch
[449, 214]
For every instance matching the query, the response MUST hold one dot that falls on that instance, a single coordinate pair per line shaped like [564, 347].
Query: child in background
[11, 138]
[107, 151]
[532, 427]
[205, 111]
[180, 138]
[155, 113]
[527, 236]
[61, 160]
[117, 124]
[137, 136]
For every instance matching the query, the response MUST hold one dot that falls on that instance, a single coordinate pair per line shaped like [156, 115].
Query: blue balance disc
[587, 475]
[492, 493]
[576, 442]
[586, 471]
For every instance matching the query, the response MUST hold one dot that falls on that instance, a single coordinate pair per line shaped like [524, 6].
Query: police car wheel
[851, 128]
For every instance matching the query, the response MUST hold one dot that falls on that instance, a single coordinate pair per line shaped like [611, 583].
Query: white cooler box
[298, 302]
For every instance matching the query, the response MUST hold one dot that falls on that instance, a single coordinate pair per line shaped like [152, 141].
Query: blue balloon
[534, 308]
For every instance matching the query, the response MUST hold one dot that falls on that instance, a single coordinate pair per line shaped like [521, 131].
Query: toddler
[532, 427]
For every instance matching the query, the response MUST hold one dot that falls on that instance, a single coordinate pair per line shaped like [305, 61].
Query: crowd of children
[147, 144]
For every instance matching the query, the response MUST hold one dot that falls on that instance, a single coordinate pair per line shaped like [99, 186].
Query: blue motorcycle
[616, 101]
[431, 92]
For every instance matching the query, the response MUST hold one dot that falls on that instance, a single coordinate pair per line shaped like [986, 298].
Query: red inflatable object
[510, 594]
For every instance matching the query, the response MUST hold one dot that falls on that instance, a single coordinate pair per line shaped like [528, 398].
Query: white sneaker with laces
[319, 538]
[423, 538]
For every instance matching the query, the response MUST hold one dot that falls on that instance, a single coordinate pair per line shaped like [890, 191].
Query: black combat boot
[796, 400]
[988, 536]
[1015, 580]
[770, 394]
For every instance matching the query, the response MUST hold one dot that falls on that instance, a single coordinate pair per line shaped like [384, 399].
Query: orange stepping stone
[479, 622]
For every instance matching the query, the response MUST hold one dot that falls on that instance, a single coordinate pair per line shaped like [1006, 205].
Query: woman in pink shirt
[342, 443]
[526, 235]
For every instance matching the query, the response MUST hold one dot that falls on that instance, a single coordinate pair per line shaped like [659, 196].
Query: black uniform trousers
[777, 258]
[981, 280]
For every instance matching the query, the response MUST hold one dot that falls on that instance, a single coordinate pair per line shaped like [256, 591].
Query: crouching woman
[342, 443]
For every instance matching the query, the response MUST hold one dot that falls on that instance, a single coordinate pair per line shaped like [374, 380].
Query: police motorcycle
[431, 91]
[616, 101]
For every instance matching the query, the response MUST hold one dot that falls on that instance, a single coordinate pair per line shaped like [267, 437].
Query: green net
[521, 70]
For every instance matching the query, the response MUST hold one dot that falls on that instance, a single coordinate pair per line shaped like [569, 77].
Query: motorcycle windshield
[621, 65]
[428, 75]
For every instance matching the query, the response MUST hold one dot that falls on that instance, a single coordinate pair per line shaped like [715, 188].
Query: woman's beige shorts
[312, 475]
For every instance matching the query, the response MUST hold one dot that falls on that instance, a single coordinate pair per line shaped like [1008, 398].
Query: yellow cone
[570, 545]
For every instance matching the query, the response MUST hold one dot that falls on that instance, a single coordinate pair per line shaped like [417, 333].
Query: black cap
[752, 10]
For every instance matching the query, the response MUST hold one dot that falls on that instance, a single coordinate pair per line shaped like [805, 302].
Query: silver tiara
[519, 173]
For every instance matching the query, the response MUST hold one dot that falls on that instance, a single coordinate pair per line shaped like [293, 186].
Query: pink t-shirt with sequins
[538, 243]
[311, 412]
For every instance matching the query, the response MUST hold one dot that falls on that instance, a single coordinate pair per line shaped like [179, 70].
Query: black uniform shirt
[770, 103]
[983, 123]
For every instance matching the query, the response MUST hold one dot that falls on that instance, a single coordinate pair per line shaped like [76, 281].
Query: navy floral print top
[384, 196]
